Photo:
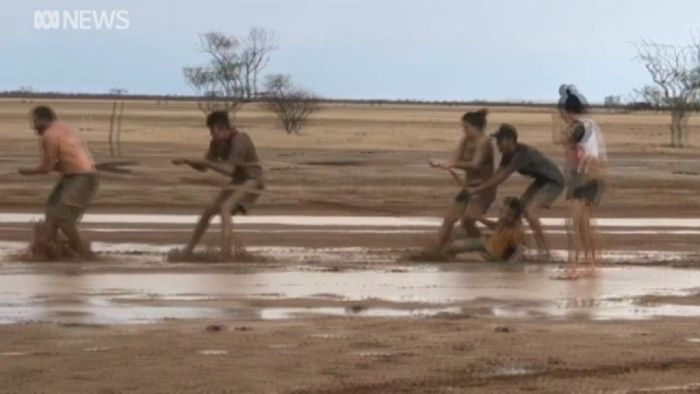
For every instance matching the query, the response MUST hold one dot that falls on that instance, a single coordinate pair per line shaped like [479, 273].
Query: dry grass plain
[350, 158]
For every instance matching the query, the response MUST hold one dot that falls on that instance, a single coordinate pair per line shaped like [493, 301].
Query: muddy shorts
[246, 196]
[542, 193]
[473, 205]
[71, 196]
[590, 193]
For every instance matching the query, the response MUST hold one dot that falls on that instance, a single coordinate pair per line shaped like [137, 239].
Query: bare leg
[200, 229]
[532, 214]
[203, 223]
[70, 230]
[49, 230]
[226, 227]
[445, 232]
[469, 225]
[574, 236]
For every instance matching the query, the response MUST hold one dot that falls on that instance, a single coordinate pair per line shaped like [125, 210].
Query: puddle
[442, 290]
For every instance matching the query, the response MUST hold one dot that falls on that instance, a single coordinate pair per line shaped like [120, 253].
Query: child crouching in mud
[505, 243]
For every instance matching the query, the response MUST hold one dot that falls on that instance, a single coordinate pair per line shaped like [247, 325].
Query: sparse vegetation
[292, 105]
[675, 71]
[231, 77]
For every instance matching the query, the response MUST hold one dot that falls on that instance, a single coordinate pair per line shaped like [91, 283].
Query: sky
[356, 49]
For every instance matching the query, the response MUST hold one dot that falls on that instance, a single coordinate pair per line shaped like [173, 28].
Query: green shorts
[71, 196]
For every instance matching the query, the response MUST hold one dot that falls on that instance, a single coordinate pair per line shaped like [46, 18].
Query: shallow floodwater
[522, 291]
[136, 285]
[307, 220]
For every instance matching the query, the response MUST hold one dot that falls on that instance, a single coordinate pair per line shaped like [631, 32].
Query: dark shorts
[473, 205]
[71, 196]
[543, 193]
[246, 196]
[591, 192]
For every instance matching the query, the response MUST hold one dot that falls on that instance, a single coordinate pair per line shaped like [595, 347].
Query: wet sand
[330, 309]
[358, 318]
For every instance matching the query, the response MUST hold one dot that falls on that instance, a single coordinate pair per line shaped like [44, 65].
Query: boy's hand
[25, 171]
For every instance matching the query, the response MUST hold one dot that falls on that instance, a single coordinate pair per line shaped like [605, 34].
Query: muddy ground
[355, 355]
[350, 160]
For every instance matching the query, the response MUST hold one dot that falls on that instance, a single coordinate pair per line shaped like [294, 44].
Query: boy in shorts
[231, 153]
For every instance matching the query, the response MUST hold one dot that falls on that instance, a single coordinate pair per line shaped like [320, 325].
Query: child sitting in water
[505, 243]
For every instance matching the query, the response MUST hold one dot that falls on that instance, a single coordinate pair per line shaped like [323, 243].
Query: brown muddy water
[69, 294]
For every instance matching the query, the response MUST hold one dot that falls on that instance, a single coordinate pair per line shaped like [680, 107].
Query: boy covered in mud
[505, 243]
[231, 153]
[63, 152]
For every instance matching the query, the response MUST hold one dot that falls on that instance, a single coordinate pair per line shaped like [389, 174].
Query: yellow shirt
[504, 239]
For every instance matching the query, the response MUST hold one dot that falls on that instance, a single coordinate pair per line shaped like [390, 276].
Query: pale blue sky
[439, 49]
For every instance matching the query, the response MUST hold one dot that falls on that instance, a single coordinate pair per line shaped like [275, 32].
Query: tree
[118, 91]
[612, 101]
[230, 78]
[256, 54]
[292, 105]
[675, 71]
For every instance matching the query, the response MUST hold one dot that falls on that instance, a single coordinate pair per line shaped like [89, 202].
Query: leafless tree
[257, 47]
[219, 82]
[675, 71]
[230, 78]
[291, 104]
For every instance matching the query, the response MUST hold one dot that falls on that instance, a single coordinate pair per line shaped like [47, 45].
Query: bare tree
[291, 104]
[255, 56]
[219, 82]
[675, 71]
[230, 78]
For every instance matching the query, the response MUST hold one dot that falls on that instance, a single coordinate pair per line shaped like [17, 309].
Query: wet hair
[571, 101]
[513, 203]
[476, 119]
[218, 118]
